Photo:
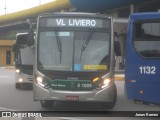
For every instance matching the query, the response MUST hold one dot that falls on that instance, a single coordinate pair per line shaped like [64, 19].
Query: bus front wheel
[47, 103]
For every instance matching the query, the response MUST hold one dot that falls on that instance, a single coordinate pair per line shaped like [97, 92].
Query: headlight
[101, 82]
[39, 80]
[106, 82]
[18, 71]
[20, 80]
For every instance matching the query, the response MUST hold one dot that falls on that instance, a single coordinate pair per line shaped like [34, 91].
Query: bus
[24, 58]
[74, 59]
[142, 60]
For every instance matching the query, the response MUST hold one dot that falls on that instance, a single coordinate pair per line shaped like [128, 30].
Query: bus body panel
[104, 95]
[141, 74]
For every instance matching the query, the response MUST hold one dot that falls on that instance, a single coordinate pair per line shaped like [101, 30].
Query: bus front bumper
[103, 95]
[24, 78]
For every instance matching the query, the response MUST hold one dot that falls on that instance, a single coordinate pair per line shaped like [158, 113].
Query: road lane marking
[7, 109]
[31, 118]
[4, 76]
[68, 118]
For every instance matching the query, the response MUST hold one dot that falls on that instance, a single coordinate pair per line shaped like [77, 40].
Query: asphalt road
[12, 99]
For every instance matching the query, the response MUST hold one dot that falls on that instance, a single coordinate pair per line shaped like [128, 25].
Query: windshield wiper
[59, 44]
[85, 44]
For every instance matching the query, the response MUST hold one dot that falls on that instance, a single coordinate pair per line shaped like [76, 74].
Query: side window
[147, 38]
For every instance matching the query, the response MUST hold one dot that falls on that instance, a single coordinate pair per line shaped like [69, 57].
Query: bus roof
[145, 16]
[76, 14]
[18, 34]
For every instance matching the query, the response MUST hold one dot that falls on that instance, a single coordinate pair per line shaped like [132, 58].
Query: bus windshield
[24, 57]
[73, 49]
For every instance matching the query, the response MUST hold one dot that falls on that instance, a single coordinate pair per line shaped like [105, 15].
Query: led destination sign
[74, 22]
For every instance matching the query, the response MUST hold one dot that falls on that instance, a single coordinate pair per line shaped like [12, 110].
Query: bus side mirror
[30, 40]
[117, 48]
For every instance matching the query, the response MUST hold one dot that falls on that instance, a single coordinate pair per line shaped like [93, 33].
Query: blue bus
[142, 74]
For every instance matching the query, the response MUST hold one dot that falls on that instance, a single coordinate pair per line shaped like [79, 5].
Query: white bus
[74, 59]
[24, 58]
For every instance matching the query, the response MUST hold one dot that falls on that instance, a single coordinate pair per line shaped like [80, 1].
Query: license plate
[72, 98]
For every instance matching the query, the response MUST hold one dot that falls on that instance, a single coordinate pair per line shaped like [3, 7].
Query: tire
[47, 103]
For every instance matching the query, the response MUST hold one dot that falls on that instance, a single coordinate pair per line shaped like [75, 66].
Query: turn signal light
[141, 92]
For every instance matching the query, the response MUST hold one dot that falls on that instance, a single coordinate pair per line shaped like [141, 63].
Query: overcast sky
[18, 5]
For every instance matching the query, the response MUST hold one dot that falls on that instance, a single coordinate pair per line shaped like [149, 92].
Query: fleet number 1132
[147, 69]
